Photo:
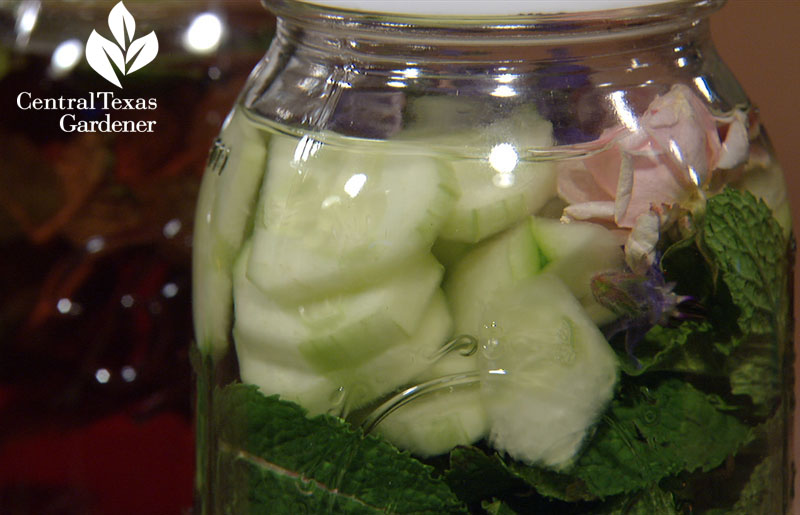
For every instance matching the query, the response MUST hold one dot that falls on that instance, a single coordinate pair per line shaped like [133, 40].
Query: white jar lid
[481, 7]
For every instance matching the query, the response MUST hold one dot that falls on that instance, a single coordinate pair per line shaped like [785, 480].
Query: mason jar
[530, 257]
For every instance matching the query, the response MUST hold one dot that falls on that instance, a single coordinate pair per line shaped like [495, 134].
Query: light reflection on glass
[204, 33]
[95, 244]
[66, 56]
[503, 158]
[504, 90]
[27, 16]
[64, 306]
[624, 112]
[354, 184]
[172, 228]
[128, 374]
[702, 85]
[169, 290]
[102, 375]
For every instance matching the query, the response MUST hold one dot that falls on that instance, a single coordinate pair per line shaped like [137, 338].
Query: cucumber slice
[351, 387]
[434, 423]
[224, 212]
[338, 332]
[547, 372]
[333, 220]
[495, 264]
[449, 252]
[400, 363]
[503, 187]
[576, 252]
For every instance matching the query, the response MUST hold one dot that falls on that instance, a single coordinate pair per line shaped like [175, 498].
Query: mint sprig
[273, 458]
[747, 251]
[658, 432]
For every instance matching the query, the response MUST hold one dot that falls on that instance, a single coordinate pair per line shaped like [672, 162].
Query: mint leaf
[273, 459]
[649, 501]
[476, 476]
[759, 496]
[685, 348]
[497, 508]
[746, 247]
[658, 432]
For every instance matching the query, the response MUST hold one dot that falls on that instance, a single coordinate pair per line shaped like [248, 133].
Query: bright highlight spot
[27, 15]
[354, 184]
[95, 244]
[624, 112]
[64, 306]
[102, 375]
[126, 301]
[503, 90]
[503, 157]
[172, 228]
[204, 33]
[128, 374]
[66, 56]
[169, 290]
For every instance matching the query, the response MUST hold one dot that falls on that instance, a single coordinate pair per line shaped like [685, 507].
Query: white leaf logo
[126, 55]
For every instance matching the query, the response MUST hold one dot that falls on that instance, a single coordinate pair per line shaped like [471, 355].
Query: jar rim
[445, 8]
[586, 25]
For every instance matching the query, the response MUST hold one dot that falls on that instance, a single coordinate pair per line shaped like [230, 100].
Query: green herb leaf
[657, 433]
[746, 247]
[645, 502]
[476, 476]
[759, 496]
[276, 460]
[497, 508]
[688, 347]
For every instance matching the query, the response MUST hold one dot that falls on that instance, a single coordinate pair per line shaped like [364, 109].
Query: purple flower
[641, 301]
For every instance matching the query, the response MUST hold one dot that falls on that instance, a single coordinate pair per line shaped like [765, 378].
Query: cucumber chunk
[434, 423]
[356, 386]
[333, 220]
[494, 264]
[382, 345]
[502, 187]
[576, 252]
[338, 332]
[224, 212]
[547, 372]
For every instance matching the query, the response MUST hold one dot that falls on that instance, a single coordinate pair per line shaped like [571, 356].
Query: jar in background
[95, 244]
[498, 262]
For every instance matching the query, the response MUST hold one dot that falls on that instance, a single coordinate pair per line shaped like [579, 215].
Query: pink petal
[736, 146]
[654, 184]
[681, 125]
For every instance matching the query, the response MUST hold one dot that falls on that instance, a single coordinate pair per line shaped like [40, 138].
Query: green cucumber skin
[225, 208]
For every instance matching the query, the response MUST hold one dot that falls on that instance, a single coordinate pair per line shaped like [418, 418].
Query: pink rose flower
[664, 158]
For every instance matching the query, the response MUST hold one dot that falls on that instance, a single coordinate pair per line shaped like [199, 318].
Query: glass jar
[498, 262]
[95, 251]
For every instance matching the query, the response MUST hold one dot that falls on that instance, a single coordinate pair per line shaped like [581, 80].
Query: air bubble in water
[491, 348]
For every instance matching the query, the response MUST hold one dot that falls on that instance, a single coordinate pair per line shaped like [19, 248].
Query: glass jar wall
[504, 264]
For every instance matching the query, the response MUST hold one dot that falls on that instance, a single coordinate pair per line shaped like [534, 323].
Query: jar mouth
[551, 25]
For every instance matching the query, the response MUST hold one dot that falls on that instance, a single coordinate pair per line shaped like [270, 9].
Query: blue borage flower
[641, 301]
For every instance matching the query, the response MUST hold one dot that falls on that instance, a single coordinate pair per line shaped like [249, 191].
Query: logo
[126, 55]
